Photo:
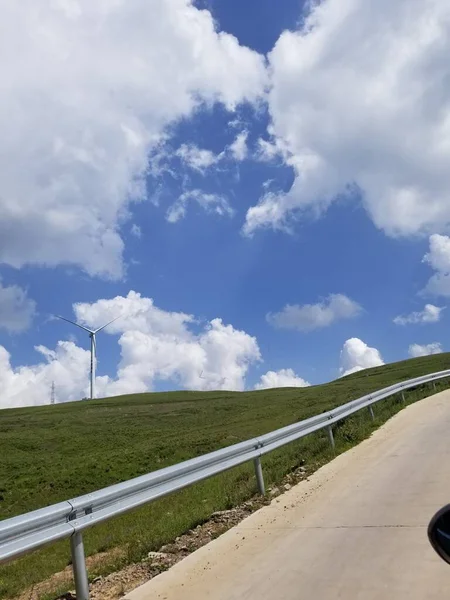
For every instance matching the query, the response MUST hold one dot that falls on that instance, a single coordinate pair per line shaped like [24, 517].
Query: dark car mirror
[439, 533]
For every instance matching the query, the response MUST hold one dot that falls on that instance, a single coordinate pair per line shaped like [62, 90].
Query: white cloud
[281, 378]
[313, 316]
[88, 89]
[416, 350]
[16, 309]
[198, 158]
[238, 148]
[356, 355]
[356, 95]
[268, 150]
[439, 259]
[155, 345]
[136, 230]
[201, 159]
[430, 314]
[439, 255]
[236, 123]
[212, 203]
[67, 366]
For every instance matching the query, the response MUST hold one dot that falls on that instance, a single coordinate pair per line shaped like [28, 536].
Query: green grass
[53, 453]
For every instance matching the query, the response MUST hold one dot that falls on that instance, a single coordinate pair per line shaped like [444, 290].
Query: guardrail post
[79, 566]
[434, 385]
[371, 413]
[331, 437]
[259, 475]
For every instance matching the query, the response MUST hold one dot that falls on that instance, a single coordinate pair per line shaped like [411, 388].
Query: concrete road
[355, 530]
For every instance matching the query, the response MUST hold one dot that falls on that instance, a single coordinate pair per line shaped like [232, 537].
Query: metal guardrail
[24, 533]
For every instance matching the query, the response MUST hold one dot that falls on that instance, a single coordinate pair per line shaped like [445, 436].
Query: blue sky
[136, 182]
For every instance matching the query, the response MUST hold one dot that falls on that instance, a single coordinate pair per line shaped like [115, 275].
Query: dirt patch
[64, 578]
[116, 585]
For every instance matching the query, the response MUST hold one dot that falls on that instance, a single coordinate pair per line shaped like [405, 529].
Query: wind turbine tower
[92, 333]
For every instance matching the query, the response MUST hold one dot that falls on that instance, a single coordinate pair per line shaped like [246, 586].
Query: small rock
[97, 579]
[219, 513]
[274, 491]
[157, 556]
[287, 486]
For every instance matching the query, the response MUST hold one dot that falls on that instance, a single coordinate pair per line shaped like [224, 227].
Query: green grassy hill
[53, 453]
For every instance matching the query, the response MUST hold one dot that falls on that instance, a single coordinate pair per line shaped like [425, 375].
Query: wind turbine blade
[73, 323]
[109, 323]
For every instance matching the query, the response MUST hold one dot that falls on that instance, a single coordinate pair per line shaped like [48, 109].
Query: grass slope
[53, 453]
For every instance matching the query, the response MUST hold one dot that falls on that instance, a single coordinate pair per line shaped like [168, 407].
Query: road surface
[355, 530]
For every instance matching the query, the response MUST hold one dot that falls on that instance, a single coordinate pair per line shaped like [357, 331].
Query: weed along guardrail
[25, 533]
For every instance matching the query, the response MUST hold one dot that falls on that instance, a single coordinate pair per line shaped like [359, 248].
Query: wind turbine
[92, 334]
[221, 380]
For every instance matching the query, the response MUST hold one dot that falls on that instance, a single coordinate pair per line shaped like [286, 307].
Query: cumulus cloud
[356, 94]
[356, 355]
[67, 366]
[155, 345]
[16, 309]
[438, 258]
[266, 151]
[238, 148]
[416, 350]
[281, 378]
[314, 316]
[197, 158]
[212, 203]
[201, 159]
[89, 89]
[430, 314]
